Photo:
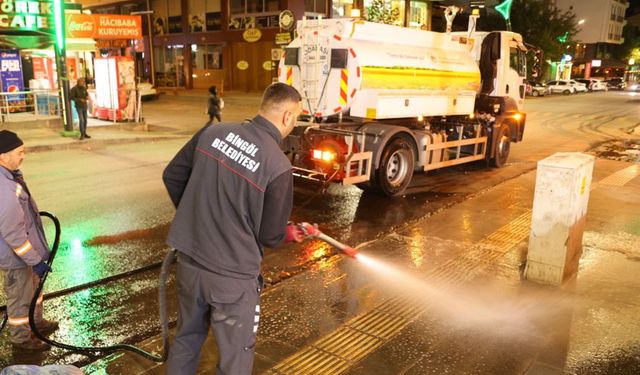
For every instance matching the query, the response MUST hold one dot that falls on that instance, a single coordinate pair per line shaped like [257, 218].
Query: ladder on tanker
[315, 53]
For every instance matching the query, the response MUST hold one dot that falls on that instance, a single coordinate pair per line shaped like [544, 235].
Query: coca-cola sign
[103, 26]
[86, 26]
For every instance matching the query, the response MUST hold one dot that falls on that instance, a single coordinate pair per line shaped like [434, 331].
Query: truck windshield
[518, 61]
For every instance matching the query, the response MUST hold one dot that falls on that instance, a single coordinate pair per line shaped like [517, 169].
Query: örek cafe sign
[38, 15]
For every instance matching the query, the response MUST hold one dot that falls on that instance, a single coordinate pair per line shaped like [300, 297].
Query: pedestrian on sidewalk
[23, 247]
[233, 190]
[80, 96]
[214, 105]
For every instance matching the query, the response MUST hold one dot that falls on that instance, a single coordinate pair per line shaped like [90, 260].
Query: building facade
[600, 24]
[200, 43]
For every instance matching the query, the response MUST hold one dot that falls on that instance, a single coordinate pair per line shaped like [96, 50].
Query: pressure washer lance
[164, 272]
[312, 231]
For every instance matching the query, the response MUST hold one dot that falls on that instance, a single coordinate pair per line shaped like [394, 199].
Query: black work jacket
[233, 189]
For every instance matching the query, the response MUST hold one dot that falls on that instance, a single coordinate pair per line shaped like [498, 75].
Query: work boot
[87, 136]
[31, 344]
[81, 137]
[47, 326]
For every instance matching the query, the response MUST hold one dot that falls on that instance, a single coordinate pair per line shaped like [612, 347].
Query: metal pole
[63, 85]
[151, 52]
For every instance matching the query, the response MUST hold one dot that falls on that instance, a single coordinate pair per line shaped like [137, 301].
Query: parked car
[562, 86]
[580, 87]
[616, 84]
[536, 88]
[593, 84]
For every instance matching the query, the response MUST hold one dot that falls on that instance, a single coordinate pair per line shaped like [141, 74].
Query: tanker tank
[377, 71]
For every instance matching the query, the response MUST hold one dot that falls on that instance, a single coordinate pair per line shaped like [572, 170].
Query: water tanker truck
[381, 102]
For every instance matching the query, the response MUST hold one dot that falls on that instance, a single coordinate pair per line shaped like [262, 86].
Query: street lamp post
[148, 13]
[61, 62]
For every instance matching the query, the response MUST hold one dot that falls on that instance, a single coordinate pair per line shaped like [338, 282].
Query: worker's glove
[309, 230]
[293, 234]
[40, 268]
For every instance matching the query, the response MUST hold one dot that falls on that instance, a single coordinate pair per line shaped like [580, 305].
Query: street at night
[368, 187]
[115, 214]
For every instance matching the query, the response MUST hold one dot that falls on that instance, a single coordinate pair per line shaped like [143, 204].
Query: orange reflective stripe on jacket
[18, 321]
[26, 246]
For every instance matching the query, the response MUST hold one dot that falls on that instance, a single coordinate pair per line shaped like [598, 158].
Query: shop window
[204, 15]
[206, 66]
[205, 56]
[315, 6]
[104, 10]
[167, 17]
[247, 14]
[342, 8]
[169, 62]
[419, 14]
[128, 8]
[253, 6]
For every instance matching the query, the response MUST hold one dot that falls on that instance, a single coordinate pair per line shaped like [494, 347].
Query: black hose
[168, 260]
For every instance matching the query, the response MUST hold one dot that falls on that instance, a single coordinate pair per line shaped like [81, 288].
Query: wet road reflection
[126, 310]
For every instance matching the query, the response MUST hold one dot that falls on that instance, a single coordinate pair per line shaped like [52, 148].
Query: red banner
[103, 26]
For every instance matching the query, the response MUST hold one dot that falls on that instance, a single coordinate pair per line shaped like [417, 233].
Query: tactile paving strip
[621, 177]
[338, 351]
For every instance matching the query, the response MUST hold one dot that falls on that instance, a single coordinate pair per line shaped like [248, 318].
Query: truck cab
[501, 56]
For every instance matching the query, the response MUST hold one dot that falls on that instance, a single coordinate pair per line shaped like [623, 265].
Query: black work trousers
[230, 306]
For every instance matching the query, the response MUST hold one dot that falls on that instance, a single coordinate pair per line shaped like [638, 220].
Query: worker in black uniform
[233, 189]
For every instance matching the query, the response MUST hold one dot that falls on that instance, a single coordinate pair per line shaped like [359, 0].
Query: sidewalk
[169, 117]
[454, 300]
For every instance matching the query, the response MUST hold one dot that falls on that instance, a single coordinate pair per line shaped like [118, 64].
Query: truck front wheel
[502, 147]
[396, 167]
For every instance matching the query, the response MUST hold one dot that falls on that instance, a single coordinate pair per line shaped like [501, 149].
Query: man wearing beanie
[23, 247]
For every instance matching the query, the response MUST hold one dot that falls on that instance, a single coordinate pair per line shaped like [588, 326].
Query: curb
[103, 142]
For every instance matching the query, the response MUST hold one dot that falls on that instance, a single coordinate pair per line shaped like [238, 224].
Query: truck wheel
[502, 147]
[396, 168]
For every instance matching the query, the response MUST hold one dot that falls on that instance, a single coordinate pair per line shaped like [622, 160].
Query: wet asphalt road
[115, 215]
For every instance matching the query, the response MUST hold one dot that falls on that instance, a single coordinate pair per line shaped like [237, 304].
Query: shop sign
[26, 15]
[287, 20]
[252, 35]
[11, 73]
[242, 65]
[103, 26]
[108, 44]
[283, 38]
[276, 54]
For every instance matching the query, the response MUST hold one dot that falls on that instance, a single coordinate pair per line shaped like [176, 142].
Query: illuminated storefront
[199, 43]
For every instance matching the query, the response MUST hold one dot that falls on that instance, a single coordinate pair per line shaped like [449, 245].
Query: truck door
[516, 74]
